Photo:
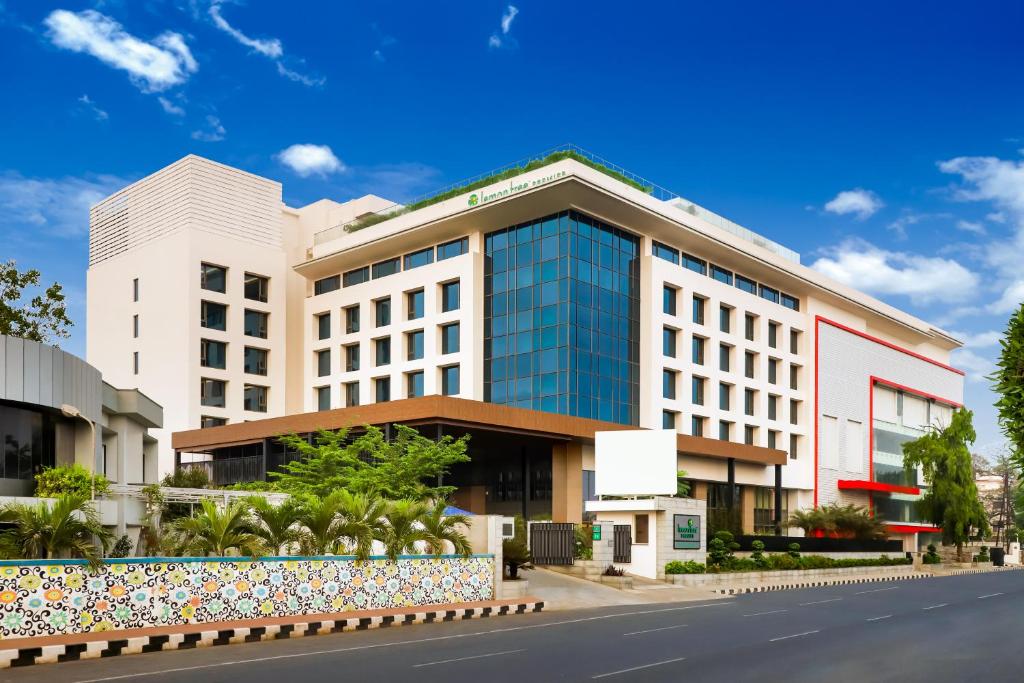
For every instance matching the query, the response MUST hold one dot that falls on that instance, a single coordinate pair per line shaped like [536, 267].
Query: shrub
[783, 562]
[721, 549]
[53, 482]
[687, 567]
[584, 546]
[760, 561]
[794, 550]
[787, 562]
[844, 521]
[123, 547]
[612, 570]
[931, 557]
[187, 478]
[983, 555]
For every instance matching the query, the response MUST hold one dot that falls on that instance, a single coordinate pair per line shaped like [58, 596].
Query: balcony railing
[231, 470]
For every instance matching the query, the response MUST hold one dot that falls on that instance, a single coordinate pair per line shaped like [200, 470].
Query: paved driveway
[561, 591]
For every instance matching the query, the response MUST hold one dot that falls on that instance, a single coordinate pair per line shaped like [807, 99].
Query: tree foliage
[367, 463]
[951, 500]
[216, 531]
[840, 521]
[69, 479]
[42, 318]
[1008, 383]
[64, 529]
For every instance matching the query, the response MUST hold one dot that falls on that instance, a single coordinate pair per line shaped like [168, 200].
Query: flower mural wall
[51, 597]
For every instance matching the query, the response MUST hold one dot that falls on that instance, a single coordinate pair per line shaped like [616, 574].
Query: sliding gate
[552, 542]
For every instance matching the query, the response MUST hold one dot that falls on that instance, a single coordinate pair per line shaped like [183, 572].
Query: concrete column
[746, 504]
[567, 482]
[778, 500]
[604, 550]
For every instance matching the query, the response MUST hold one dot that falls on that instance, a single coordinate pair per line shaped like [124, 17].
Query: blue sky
[884, 142]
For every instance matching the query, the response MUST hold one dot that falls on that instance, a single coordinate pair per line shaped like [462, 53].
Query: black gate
[552, 542]
[623, 551]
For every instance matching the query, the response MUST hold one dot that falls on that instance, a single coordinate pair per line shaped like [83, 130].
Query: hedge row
[782, 562]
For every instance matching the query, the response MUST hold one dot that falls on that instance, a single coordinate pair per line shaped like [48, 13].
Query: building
[572, 289]
[56, 409]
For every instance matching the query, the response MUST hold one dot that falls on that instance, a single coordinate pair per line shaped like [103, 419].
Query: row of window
[215, 279]
[213, 393]
[213, 354]
[450, 343]
[670, 296]
[701, 266]
[669, 347]
[669, 390]
[450, 379]
[391, 266]
[214, 316]
[414, 310]
[698, 427]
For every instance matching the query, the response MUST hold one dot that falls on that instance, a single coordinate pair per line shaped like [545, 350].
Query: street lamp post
[73, 412]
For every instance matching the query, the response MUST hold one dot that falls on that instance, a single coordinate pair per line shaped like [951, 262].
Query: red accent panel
[880, 487]
[912, 390]
[890, 345]
[909, 529]
[816, 363]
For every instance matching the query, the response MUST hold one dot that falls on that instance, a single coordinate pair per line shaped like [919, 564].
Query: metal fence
[230, 470]
[553, 542]
[623, 549]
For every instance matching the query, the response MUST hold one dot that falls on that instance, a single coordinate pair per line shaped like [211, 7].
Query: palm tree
[319, 520]
[360, 521]
[402, 527]
[215, 532]
[276, 525]
[342, 521]
[440, 529]
[65, 529]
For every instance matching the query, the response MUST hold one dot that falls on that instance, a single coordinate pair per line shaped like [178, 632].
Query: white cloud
[971, 226]
[990, 179]
[862, 203]
[152, 66]
[300, 78]
[923, 279]
[996, 217]
[170, 107]
[307, 160]
[57, 206]
[214, 131]
[976, 366]
[269, 47]
[90, 106]
[979, 340]
[497, 40]
[1010, 300]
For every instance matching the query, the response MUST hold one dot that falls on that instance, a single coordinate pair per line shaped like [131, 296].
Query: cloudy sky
[884, 144]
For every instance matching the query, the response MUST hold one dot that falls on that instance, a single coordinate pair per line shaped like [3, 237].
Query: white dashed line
[757, 614]
[990, 595]
[877, 590]
[819, 602]
[878, 618]
[463, 659]
[795, 635]
[638, 668]
[652, 630]
[936, 606]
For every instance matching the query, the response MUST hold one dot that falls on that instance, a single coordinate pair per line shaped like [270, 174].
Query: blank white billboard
[635, 462]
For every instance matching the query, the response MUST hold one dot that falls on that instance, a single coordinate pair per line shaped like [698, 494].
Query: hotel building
[529, 312]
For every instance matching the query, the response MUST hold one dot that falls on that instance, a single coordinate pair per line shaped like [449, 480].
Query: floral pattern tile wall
[64, 597]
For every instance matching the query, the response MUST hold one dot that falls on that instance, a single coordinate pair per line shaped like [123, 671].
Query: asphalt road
[934, 630]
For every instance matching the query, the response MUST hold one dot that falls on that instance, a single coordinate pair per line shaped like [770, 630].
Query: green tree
[42, 318]
[1008, 383]
[67, 528]
[442, 530]
[401, 529]
[213, 531]
[404, 467]
[276, 525]
[341, 522]
[56, 481]
[951, 500]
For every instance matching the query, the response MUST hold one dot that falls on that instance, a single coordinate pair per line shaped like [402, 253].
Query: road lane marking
[757, 614]
[877, 590]
[638, 668]
[463, 659]
[652, 630]
[936, 606]
[819, 602]
[990, 595]
[795, 635]
[878, 618]
[376, 646]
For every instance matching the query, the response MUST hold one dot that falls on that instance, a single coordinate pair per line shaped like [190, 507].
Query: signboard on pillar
[686, 532]
[639, 462]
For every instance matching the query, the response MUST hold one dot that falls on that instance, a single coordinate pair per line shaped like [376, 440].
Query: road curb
[201, 635]
[842, 582]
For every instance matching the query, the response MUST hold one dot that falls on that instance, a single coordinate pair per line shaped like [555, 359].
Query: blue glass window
[414, 381]
[414, 305]
[695, 264]
[414, 345]
[668, 419]
[791, 302]
[423, 257]
[770, 294]
[323, 398]
[385, 268]
[454, 248]
[450, 296]
[721, 274]
[450, 338]
[450, 380]
[355, 277]
[668, 342]
[665, 252]
[668, 384]
[383, 350]
[327, 284]
[668, 300]
[746, 284]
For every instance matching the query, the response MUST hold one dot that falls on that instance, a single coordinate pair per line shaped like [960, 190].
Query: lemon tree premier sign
[514, 187]
[686, 532]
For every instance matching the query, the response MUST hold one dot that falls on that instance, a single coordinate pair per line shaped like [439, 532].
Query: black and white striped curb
[865, 579]
[195, 636]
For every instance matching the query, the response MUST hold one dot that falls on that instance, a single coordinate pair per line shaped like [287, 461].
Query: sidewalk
[562, 591]
[66, 648]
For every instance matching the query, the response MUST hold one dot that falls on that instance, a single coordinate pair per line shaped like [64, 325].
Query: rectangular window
[451, 249]
[794, 444]
[721, 274]
[668, 299]
[695, 264]
[383, 350]
[135, 362]
[135, 290]
[382, 389]
[790, 302]
[255, 398]
[749, 435]
[256, 323]
[697, 350]
[772, 437]
[135, 326]
[351, 358]
[773, 407]
[327, 284]
[351, 394]
[697, 389]
[724, 430]
[724, 318]
[668, 419]
[256, 287]
[794, 341]
[724, 396]
[773, 335]
[213, 354]
[748, 401]
[773, 370]
[450, 338]
[213, 278]
[352, 319]
[414, 345]
[414, 384]
[746, 284]
[668, 384]
[698, 310]
[668, 342]
[213, 316]
[256, 361]
[697, 426]
[794, 376]
[323, 398]
[323, 326]
[641, 524]
[794, 411]
[749, 326]
[355, 277]
[770, 294]
[450, 380]
[323, 363]
[665, 252]
[749, 360]
[211, 392]
[383, 310]
[414, 305]
[207, 421]
[385, 268]
[423, 257]
[829, 451]
[450, 296]
[724, 357]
